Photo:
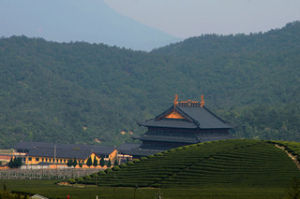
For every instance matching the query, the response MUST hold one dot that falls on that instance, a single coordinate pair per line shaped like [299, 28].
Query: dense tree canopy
[80, 92]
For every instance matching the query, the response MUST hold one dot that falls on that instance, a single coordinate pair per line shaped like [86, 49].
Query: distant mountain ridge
[79, 92]
[67, 20]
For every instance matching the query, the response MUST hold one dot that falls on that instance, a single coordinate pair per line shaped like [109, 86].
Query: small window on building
[60, 160]
[29, 158]
[24, 159]
[37, 159]
[43, 159]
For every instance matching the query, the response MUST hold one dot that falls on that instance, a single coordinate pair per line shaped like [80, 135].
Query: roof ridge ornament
[202, 103]
[175, 101]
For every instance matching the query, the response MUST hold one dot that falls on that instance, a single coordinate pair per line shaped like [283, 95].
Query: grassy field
[49, 189]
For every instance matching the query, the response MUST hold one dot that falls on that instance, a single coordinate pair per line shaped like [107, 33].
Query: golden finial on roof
[175, 101]
[202, 101]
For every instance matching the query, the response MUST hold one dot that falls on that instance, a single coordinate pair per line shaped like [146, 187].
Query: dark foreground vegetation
[51, 190]
[80, 92]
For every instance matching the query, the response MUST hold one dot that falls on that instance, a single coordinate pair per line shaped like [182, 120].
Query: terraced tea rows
[291, 147]
[219, 163]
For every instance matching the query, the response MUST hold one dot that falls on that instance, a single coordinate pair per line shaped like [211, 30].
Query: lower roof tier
[180, 139]
[161, 138]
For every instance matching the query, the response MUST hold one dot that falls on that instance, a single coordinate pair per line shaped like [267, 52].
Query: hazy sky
[185, 18]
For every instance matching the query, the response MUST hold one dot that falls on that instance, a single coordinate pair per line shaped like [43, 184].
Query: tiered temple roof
[187, 114]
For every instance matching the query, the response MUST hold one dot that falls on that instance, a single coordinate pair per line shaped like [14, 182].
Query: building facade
[48, 155]
[184, 123]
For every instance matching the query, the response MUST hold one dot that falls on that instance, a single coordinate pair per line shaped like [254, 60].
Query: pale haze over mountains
[77, 20]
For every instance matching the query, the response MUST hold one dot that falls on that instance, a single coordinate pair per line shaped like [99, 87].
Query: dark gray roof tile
[195, 117]
[79, 151]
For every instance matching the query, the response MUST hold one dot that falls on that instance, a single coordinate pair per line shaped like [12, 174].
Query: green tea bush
[100, 173]
[123, 165]
[116, 168]
[130, 163]
[72, 181]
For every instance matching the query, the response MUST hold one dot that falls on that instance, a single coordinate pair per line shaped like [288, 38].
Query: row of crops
[219, 163]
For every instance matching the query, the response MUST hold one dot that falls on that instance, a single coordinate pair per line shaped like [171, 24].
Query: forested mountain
[81, 92]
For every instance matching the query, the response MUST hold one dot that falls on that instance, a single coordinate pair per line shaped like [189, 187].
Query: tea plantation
[231, 169]
[230, 163]
[291, 147]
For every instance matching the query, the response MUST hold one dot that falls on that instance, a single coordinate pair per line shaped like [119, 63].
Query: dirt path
[293, 157]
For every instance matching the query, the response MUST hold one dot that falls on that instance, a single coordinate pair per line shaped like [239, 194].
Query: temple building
[184, 123]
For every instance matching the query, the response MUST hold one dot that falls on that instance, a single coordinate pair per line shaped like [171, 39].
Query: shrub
[116, 168]
[94, 175]
[130, 163]
[80, 180]
[72, 181]
[101, 173]
[123, 165]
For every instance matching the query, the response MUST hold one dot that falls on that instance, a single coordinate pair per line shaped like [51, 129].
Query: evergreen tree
[74, 164]
[102, 162]
[95, 163]
[109, 163]
[11, 163]
[18, 162]
[89, 162]
[15, 163]
[116, 163]
[70, 163]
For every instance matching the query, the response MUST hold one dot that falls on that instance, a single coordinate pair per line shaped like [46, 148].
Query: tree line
[90, 162]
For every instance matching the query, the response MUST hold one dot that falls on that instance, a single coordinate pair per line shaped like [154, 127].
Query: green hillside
[230, 163]
[243, 169]
[80, 92]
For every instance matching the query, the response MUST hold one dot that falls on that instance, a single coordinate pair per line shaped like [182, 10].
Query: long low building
[41, 154]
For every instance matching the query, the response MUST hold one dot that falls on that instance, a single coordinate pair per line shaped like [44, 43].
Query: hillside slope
[231, 163]
[80, 92]
[244, 69]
